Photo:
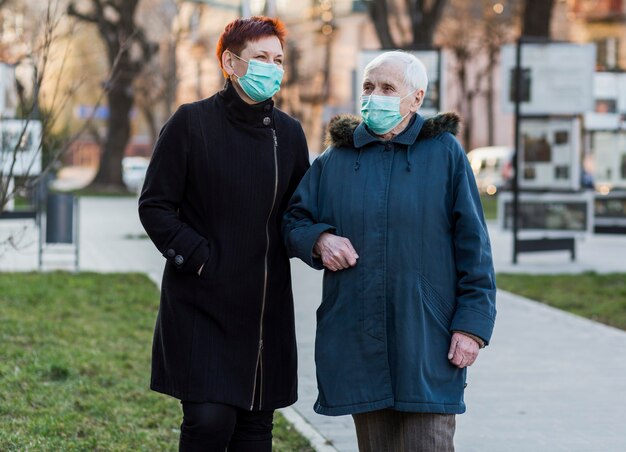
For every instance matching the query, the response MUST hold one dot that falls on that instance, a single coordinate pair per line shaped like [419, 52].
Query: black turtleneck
[240, 111]
[219, 181]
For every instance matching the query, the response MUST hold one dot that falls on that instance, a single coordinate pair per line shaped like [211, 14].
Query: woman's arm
[476, 288]
[162, 194]
[301, 226]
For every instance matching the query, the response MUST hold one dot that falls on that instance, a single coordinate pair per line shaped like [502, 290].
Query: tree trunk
[468, 121]
[109, 175]
[120, 34]
[494, 54]
[537, 18]
[151, 121]
[379, 14]
[171, 78]
[490, 109]
[462, 57]
[424, 22]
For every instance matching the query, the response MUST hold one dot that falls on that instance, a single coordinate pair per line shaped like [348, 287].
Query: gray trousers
[397, 431]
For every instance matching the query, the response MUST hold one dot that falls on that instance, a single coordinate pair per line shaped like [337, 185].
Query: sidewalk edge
[319, 443]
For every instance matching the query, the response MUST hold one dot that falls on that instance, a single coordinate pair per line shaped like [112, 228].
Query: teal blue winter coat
[411, 209]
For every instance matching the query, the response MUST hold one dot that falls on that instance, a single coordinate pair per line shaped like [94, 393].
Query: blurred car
[492, 167]
[134, 172]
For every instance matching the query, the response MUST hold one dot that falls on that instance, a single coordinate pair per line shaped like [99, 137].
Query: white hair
[415, 76]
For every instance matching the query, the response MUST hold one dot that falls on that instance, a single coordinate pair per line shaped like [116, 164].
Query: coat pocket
[208, 272]
[441, 309]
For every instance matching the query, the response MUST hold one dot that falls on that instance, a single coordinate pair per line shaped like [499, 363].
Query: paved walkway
[550, 381]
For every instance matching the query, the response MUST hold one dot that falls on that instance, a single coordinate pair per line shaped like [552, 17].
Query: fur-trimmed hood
[341, 128]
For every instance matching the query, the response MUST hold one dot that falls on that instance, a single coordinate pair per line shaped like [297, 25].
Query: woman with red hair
[216, 189]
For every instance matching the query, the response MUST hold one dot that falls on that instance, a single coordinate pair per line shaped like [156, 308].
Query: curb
[319, 443]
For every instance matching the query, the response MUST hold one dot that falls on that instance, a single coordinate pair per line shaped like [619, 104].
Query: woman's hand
[463, 350]
[336, 252]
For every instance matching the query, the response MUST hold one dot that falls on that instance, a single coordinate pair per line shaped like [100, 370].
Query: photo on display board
[610, 208]
[537, 149]
[529, 173]
[554, 215]
[606, 106]
[561, 172]
[561, 137]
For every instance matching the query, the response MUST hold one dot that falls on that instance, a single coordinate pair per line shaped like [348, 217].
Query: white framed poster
[608, 150]
[20, 147]
[609, 97]
[432, 59]
[557, 78]
[549, 154]
[610, 210]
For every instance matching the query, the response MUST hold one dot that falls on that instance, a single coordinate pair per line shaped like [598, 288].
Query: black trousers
[212, 427]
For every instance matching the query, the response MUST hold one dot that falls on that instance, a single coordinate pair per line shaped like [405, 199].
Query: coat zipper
[259, 359]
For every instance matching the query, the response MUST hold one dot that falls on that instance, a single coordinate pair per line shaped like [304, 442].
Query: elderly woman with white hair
[391, 212]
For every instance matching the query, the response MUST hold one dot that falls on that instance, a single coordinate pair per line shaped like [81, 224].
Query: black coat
[217, 186]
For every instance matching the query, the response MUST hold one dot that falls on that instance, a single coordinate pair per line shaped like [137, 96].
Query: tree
[128, 51]
[42, 100]
[155, 88]
[23, 147]
[474, 33]
[424, 17]
[537, 18]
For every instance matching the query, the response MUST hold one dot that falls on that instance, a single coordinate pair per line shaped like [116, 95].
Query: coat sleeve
[162, 194]
[301, 166]
[476, 288]
[301, 225]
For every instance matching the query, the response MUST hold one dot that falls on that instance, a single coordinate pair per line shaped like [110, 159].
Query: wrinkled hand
[463, 350]
[336, 252]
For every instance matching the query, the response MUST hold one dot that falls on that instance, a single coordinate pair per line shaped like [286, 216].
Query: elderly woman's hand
[463, 350]
[336, 252]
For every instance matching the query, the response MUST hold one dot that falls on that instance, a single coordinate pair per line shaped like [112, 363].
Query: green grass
[22, 203]
[74, 367]
[597, 297]
[490, 206]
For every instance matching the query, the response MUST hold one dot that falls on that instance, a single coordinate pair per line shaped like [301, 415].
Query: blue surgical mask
[261, 81]
[382, 113]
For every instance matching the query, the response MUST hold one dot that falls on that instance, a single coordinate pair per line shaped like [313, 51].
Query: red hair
[240, 31]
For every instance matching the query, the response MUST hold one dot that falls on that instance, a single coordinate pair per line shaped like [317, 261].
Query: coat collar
[363, 136]
[257, 115]
[347, 131]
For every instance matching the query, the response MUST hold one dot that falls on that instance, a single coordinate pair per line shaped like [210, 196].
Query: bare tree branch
[60, 98]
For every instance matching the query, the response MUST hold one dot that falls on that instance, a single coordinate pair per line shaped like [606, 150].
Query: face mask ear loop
[239, 58]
